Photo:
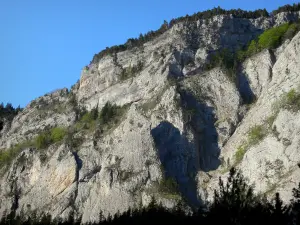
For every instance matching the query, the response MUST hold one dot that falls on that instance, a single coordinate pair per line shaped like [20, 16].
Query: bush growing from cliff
[269, 39]
[239, 154]
[168, 188]
[47, 138]
[87, 120]
[256, 134]
[8, 155]
[289, 101]
[58, 134]
[87, 117]
[131, 71]
[168, 185]
[205, 15]
[225, 59]
[110, 113]
[293, 100]
[42, 141]
[292, 31]
[73, 140]
[272, 38]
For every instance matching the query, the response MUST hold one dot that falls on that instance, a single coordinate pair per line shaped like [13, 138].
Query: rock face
[188, 130]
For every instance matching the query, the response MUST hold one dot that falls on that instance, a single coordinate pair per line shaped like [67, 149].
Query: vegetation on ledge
[269, 39]
[43, 140]
[131, 71]
[237, 13]
[233, 203]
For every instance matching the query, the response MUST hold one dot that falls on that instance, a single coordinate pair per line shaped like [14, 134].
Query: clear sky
[44, 44]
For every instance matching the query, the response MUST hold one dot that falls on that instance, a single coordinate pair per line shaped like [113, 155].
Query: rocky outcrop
[178, 122]
[271, 164]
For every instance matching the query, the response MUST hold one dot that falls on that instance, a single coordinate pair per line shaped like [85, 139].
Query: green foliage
[293, 100]
[256, 134]
[291, 96]
[222, 58]
[42, 141]
[205, 15]
[111, 113]
[72, 100]
[289, 101]
[58, 134]
[108, 112]
[73, 140]
[169, 184]
[235, 192]
[292, 31]
[250, 50]
[234, 203]
[87, 117]
[269, 39]
[225, 59]
[270, 120]
[239, 154]
[287, 8]
[272, 38]
[7, 156]
[8, 112]
[296, 203]
[131, 71]
[94, 113]
[87, 121]
[168, 188]
[8, 109]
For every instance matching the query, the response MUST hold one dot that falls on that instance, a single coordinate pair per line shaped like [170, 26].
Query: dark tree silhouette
[234, 203]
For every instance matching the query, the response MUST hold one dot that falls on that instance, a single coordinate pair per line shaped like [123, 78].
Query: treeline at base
[234, 203]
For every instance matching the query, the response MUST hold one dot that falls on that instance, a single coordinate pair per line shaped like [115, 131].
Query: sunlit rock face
[178, 122]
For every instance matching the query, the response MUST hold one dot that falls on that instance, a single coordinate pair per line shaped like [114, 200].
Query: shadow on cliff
[196, 149]
[233, 34]
[242, 32]
[200, 121]
[238, 32]
[176, 155]
[244, 88]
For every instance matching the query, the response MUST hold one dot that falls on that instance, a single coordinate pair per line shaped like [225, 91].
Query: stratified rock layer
[188, 130]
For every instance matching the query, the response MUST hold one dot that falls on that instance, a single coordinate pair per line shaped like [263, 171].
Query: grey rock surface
[188, 130]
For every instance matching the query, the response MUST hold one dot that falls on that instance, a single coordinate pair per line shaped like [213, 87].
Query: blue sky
[44, 44]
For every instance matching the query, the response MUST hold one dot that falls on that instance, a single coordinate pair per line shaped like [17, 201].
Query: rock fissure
[196, 117]
[78, 162]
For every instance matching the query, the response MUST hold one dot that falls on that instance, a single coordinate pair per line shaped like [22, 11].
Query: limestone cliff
[176, 119]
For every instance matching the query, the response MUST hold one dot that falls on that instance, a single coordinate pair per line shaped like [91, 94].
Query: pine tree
[279, 211]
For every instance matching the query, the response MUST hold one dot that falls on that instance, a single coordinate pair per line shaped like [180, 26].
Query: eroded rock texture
[188, 130]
